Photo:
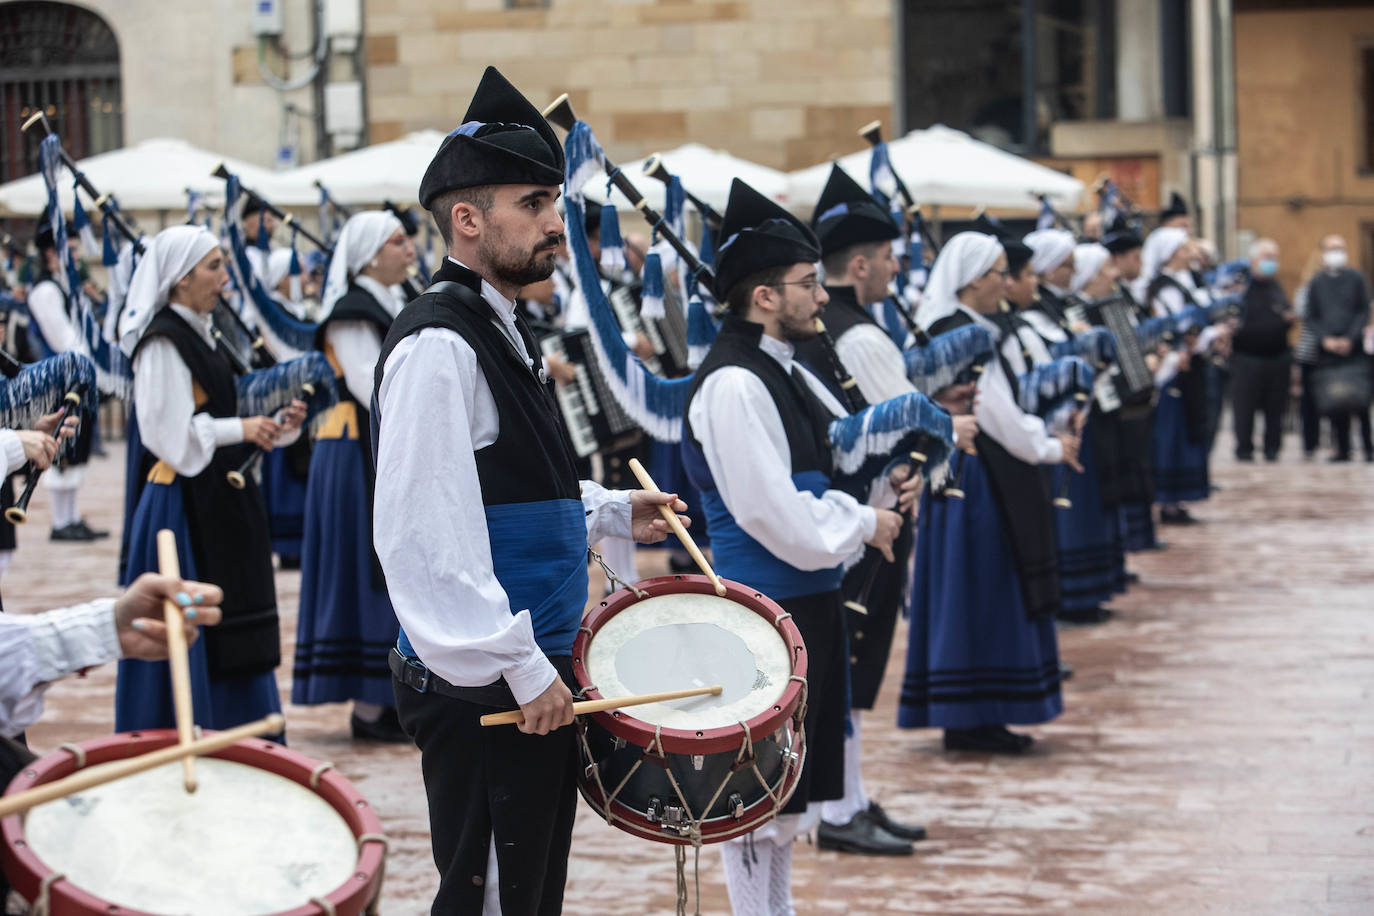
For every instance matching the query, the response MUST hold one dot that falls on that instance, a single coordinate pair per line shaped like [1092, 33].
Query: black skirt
[821, 622]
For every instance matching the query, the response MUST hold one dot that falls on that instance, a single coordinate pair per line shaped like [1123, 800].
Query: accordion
[668, 334]
[594, 418]
[1128, 381]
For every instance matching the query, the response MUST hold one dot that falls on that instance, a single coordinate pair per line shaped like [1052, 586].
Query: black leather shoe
[877, 815]
[1132, 578]
[1340, 458]
[987, 739]
[1249, 457]
[1086, 615]
[1065, 673]
[861, 836]
[387, 728]
[1178, 516]
[83, 532]
[63, 534]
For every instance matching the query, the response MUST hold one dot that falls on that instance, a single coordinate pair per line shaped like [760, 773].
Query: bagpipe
[263, 392]
[655, 168]
[1131, 382]
[865, 444]
[66, 382]
[113, 374]
[414, 283]
[1053, 391]
[884, 184]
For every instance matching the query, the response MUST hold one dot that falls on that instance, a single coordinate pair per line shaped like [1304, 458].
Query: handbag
[1342, 387]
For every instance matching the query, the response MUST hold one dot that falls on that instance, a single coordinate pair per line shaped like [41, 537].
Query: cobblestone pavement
[1216, 753]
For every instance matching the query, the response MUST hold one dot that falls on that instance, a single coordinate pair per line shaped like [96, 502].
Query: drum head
[246, 842]
[677, 642]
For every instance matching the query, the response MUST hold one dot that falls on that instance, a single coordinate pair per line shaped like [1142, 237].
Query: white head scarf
[965, 258]
[169, 257]
[1049, 248]
[278, 266]
[1088, 260]
[1159, 248]
[358, 243]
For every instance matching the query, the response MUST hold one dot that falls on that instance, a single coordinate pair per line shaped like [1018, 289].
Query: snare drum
[702, 769]
[268, 831]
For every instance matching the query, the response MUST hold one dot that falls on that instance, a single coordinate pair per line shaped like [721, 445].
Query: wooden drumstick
[94, 776]
[177, 659]
[674, 523]
[516, 716]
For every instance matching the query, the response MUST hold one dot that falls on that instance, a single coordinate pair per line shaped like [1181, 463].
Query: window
[63, 60]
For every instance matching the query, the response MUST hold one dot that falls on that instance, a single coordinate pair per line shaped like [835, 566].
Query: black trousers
[496, 781]
[820, 618]
[1259, 384]
[1311, 420]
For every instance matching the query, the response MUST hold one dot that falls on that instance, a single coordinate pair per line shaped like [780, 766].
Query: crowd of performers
[410, 445]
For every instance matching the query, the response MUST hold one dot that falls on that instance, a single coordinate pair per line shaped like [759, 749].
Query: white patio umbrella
[152, 175]
[705, 172]
[941, 165]
[383, 171]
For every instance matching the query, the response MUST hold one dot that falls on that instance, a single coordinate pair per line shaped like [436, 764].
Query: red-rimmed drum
[268, 831]
[703, 769]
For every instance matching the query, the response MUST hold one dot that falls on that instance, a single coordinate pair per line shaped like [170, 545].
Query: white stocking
[64, 510]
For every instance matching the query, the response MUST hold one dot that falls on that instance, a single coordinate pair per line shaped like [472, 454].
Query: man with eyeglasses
[756, 445]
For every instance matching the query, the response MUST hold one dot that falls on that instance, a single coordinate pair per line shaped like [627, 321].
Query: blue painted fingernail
[199, 599]
[183, 599]
[191, 614]
[139, 625]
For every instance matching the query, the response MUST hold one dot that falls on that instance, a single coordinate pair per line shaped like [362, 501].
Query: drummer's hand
[551, 709]
[888, 527]
[139, 620]
[647, 524]
[48, 424]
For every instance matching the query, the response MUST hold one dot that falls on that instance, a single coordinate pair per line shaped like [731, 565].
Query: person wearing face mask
[1337, 311]
[1259, 355]
[347, 625]
[187, 406]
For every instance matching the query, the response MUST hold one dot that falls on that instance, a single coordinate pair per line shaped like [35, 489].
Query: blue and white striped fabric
[297, 334]
[868, 444]
[39, 387]
[655, 404]
[1155, 331]
[948, 356]
[1052, 391]
[1095, 345]
[265, 391]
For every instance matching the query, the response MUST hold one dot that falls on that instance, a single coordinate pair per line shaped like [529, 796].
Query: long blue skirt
[285, 498]
[1138, 526]
[346, 625]
[143, 690]
[1091, 566]
[1180, 466]
[973, 657]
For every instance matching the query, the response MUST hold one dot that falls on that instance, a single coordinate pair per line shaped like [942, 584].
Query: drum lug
[698, 761]
[736, 805]
[655, 811]
[619, 744]
[669, 817]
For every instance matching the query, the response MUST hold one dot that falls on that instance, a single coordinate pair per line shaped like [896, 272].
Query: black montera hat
[1120, 238]
[757, 234]
[1177, 207]
[847, 215]
[503, 140]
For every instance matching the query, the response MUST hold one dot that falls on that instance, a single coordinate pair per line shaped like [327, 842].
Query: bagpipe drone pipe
[866, 444]
[65, 382]
[263, 392]
[953, 358]
[1095, 345]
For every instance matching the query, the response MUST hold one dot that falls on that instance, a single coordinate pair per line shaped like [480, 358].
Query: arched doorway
[63, 59]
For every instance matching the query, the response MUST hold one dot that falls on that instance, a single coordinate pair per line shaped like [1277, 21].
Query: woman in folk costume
[347, 625]
[1180, 444]
[983, 652]
[186, 400]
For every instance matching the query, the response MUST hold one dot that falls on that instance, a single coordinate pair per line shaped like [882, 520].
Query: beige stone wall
[1301, 124]
[782, 82]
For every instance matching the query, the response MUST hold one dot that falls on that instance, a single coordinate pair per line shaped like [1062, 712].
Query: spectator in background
[1259, 355]
[1337, 310]
[1092, 226]
[1305, 360]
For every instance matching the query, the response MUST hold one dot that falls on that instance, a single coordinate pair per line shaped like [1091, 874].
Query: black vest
[1023, 504]
[804, 418]
[532, 459]
[230, 538]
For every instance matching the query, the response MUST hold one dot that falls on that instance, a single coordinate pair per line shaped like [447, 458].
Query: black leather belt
[412, 673]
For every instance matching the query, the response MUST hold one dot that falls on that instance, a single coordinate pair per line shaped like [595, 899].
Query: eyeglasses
[1002, 271]
[810, 284]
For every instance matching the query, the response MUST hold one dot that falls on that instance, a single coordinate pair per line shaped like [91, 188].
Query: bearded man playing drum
[481, 524]
[756, 445]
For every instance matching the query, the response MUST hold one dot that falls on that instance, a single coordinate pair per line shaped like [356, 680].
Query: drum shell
[776, 735]
[26, 870]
